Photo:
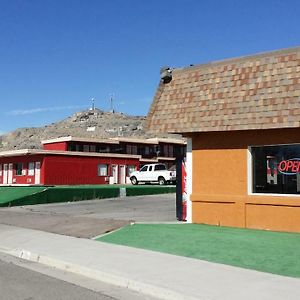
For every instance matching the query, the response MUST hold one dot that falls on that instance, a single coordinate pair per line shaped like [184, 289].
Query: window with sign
[276, 169]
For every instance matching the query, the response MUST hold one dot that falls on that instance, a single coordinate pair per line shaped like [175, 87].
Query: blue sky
[55, 55]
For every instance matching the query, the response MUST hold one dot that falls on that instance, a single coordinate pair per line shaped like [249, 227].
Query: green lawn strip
[266, 251]
[18, 195]
[149, 190]
[10, 194]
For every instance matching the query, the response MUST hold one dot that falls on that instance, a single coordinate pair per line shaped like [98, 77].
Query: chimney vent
[165, 74]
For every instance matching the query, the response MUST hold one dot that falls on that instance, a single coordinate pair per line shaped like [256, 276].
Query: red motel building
[76, 161]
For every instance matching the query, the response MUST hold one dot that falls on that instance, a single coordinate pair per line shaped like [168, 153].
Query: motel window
[130, 169]
[79, 147]
[102, 170]
[86, 148]
[168, 150]
[19, 169]
[102, 149]
[71, 147]
[276, 169]
[31, 169]
[131, 149]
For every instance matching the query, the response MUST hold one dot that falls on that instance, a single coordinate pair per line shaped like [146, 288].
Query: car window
[150, 169]
[144, 169]
[159, 167]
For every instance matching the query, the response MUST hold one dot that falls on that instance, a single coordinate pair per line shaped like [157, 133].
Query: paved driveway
[91, 218]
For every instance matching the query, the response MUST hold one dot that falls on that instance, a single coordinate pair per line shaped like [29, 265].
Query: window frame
[250, 172]
[99, 172]
[31, 172]
[17, 170]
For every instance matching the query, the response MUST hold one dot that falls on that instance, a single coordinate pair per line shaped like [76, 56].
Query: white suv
[153, 173]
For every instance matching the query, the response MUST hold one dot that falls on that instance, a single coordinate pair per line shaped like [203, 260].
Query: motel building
[241, 118]
[76, 161]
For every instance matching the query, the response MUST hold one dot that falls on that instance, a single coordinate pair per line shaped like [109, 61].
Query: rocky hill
[91, 123]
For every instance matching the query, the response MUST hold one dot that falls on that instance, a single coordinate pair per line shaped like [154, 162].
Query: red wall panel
[23, 179]
[71, 170]
[63, 169]
[59, 146]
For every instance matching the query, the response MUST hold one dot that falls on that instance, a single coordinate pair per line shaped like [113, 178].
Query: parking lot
[92, 218]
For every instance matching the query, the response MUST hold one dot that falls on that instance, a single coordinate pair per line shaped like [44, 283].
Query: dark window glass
[144, 169]
[160, 167]
[71, 147]
[276, 169]
[19, 169]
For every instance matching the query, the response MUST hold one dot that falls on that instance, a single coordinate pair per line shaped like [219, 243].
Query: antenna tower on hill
[93, 104]
[112, 102]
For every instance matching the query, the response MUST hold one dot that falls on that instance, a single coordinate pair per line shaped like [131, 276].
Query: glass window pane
[102, 170]
[19, 169]
[31, 169]
[276, 169]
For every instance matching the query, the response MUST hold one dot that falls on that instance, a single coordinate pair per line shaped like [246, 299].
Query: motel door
[5, 173]
[10, 174]
[115, 173]
[122, 174]
[37, 176]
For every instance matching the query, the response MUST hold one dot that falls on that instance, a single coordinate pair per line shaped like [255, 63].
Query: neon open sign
[289, 166]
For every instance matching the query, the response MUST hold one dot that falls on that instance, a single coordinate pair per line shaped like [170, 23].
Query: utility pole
[112, 103]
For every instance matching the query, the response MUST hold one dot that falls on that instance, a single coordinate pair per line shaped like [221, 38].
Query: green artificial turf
[266, 251]
[9, 194]
[20, 195]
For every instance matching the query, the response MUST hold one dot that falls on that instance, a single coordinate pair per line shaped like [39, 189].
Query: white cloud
[21, 112]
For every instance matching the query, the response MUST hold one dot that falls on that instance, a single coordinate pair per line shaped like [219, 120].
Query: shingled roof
[254, 92]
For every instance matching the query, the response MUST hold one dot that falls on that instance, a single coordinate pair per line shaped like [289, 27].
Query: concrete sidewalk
[152, 273]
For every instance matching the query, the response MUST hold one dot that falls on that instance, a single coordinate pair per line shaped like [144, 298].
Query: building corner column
[189, 179]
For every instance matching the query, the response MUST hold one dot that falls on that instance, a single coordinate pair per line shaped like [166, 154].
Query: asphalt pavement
[87, 219]
[156, 274]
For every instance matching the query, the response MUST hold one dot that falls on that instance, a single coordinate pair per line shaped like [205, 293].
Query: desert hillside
[90, 123]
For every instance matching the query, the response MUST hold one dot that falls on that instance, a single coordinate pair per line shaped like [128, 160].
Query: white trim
[21, 184]
[249, 171]
[37, 172]
[267, 145]
[189, 179]
[167, 140]
[274, 195]
[116, 140]
[67, 153]
[133, 140]
[77, 139]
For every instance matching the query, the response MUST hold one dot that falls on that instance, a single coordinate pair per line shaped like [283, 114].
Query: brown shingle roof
[254, 92]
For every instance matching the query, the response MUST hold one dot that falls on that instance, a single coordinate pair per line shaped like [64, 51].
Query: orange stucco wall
[220, 182]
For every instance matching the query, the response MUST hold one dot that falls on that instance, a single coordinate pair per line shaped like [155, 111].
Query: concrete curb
[155, 274]
[120, 281]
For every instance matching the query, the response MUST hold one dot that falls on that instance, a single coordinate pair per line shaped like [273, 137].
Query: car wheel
[161, 181]
[134, 180]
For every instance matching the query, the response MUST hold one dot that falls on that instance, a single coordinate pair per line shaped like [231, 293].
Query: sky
[56, 55]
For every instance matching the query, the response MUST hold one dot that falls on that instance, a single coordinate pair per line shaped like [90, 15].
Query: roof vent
[165, 74]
